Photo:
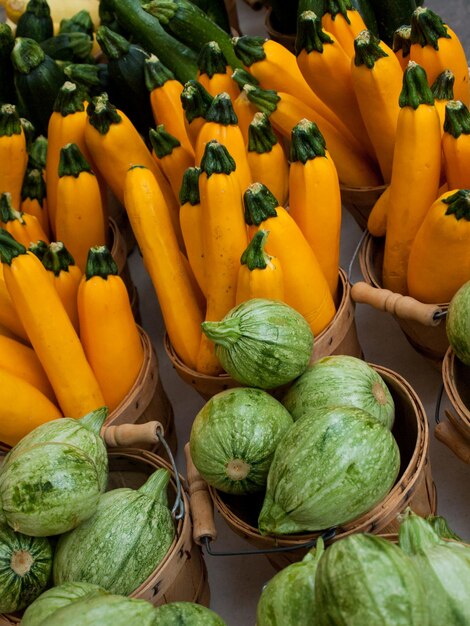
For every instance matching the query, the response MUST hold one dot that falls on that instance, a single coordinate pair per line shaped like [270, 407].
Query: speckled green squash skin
[340, 381]
[121, 545]
[49, 489]
[444, 568]
[82, 433]
[104, 610]
[55, 598]
[186, 614]
[242, 423]
[363, 579]
[17, 590]
[329, 469]
[458, 323]
[288, 599]
[275, 344]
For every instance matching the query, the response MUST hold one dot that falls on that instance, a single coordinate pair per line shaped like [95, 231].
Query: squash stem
[21, 562]
[38, 248]
[367, 49]
[30, 133]
[34, 187]
[57, 258]
[265, 99]
[156, 74]
[38, 153]
[211, 59]
[427, 28]
[402, 40]
[195, 100]
[249, 49]
[156, 486]
[416, 535]
[72, 162]
[457, 120]
[69, 99]
[100, 263]
[310, 35]
[221, 110]
[7, 212]
[9, 121]
[259, 204]
[9, 247]
[216, 159]
[189, 191]
[113, 44]
[333, 7]
[416, 90]
[307, 142]
[459, 204]
[443, 87]
[162, 142]
[242, 78]
[255, 257]
[95, 419]
[26, 55]
[102, 114]
[261, 137]
[237, 469]
[225, 333]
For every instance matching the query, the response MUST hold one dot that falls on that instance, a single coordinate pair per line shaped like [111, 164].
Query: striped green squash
[123, 543]
[288, 598]
[340, 380]
[55, 598]
[234, 436]
[104, 610]
[363, 579]
[186, 614]
[330, 468]
[458, 323]
[25, 568]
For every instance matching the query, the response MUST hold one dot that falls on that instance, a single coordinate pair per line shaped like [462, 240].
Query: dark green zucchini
[368, 14]
[38, 78]
[216, 10]
[390, 15]
[81, 22]
[316, 6]
[7, 85]
[126, 67]
[74, 47]
[147, 31]
[36, 22]
[190, 24]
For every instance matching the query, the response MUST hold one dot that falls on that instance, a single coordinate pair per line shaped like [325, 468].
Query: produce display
[226, 159]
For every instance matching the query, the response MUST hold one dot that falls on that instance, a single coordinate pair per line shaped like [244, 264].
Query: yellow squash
[214, 73]
[108, 331]
[343, 21]
[315, 198]
[172, 157]
[49, 329]
[191, 220]
[456, 145]
[151, 222]
[13, 155]
[33, 198]
[23, 227]
[415, 174]
[224, 239]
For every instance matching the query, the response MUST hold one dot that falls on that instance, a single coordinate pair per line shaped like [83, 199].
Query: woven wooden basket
[147, 401]
[422, 324]
[455, 433]
[339, 337]
[414, 486]
[359, 201]
[182, 575]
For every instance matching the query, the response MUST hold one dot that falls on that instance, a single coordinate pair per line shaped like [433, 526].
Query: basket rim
[371, 518]
[450, 386]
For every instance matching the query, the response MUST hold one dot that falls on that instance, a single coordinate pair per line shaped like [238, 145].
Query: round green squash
[363, 579]
[288, 599]
[444, 568]
[25, 568]
[458, 323]
[104, 610]
[123, 543]
[262, 343]
[340, 381]
[186, 614]
[234, 436]
[330, 468]
[55, 598]
[52, 479]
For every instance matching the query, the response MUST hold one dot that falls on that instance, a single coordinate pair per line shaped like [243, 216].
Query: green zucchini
[367, 13]
[75, 47]
[126, 71]
[390, 15]
[38, 78]
[36, 22]
[147, 31]
[7, 85]
[317, 6]
[81, 22]
[190, 25]
[216, 10]
[25, 567]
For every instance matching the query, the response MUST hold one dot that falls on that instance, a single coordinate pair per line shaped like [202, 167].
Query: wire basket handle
[202, 508]
[404, 307]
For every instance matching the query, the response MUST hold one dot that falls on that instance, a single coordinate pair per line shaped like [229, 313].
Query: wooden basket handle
[131, 435]
[202, 509]
[451, 438]
[404, 307]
